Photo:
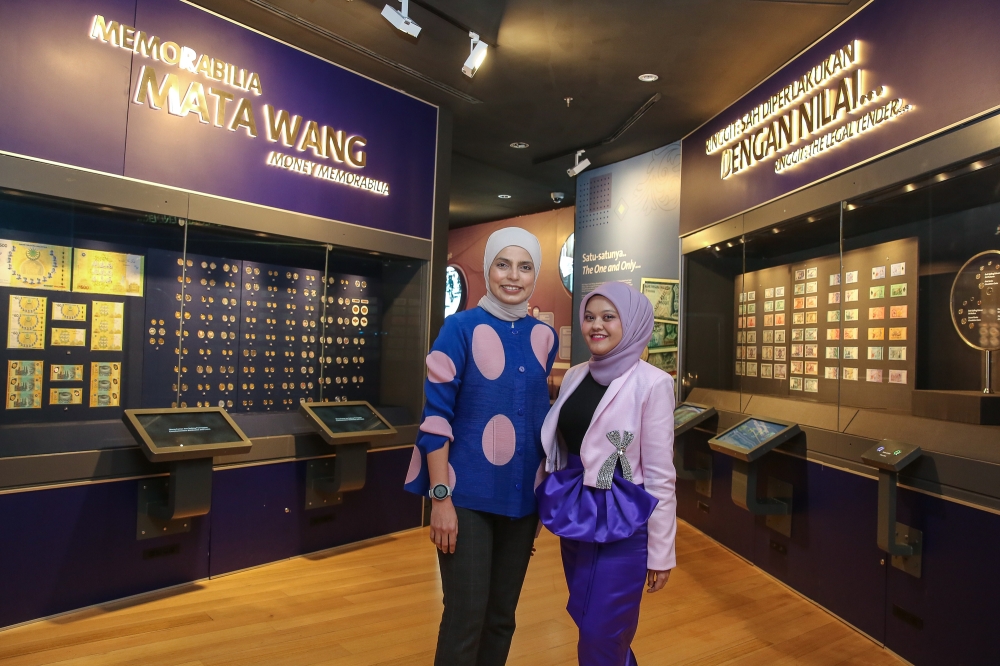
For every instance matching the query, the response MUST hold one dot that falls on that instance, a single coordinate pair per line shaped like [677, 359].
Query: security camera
[400, 19]
[557, 197]
[580, 165]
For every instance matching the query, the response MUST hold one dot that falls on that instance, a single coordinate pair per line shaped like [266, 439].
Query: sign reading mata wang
[170, 93]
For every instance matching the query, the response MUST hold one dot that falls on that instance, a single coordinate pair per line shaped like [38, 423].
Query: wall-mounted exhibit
[839, 264]
[627, 222]
[194, 215]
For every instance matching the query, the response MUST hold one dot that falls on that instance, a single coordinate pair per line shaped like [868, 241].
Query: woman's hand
[655, 580]
[444, 525]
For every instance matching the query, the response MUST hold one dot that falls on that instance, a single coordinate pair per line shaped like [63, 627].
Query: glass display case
[888, 301]
[106, 309]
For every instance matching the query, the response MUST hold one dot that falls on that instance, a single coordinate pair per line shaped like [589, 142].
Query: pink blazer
[640, 402]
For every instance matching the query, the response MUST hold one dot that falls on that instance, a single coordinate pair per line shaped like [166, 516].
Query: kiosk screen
[169, 429]
[751, 433]
[685, 413]
[349, 418]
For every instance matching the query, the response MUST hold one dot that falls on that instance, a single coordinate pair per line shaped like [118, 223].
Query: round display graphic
[975, 301]
[454, 294]
[566, 264]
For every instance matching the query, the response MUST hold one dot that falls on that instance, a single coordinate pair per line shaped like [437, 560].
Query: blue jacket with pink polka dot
[487, 394]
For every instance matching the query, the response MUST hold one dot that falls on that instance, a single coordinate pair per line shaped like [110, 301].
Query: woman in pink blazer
[609, 491]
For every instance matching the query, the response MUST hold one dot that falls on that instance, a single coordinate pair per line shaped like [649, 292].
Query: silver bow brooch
[607, 473]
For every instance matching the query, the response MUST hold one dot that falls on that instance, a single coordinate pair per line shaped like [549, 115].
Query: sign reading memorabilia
[896, 72]
[170, 93]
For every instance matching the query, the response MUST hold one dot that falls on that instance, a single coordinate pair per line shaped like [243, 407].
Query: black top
[578, 411]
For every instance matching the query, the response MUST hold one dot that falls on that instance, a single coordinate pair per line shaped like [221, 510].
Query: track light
[401, 20]
[578, 166]
[477, 54]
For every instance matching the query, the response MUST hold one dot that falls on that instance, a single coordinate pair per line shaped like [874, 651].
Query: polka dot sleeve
[445, 365]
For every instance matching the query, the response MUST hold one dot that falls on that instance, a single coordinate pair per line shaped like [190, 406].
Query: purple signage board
[896, 72]
[165, 92]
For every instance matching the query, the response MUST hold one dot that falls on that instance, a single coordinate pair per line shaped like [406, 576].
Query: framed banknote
[664, 294]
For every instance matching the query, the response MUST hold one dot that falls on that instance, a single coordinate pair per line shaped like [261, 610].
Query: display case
[106, 309]
[883, 302]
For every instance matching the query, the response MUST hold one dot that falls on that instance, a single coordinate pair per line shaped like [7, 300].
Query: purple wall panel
[956, 595]
[72, 547]
[63, 96]
[943, 58]
[250, 526]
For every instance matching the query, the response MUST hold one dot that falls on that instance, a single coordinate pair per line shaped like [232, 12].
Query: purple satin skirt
[603, 539]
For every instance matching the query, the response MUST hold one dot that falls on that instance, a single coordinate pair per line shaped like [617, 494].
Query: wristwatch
[439, 492]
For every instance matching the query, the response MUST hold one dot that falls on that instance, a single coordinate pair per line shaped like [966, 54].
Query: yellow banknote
[102, 272]
[106, 326]
[69, 311]
[34, 266]
[26, 322]
[69, 337]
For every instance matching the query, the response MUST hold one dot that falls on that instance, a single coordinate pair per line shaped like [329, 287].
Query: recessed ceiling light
[519, 144]
[504, 196]
[648, 78]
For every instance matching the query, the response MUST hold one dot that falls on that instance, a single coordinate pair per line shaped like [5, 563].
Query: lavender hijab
[636, 314]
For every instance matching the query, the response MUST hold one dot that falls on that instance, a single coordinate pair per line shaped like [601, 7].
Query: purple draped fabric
[604, 546]
[574, 511]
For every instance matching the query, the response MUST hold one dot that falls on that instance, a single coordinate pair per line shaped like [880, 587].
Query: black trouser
[482, 581]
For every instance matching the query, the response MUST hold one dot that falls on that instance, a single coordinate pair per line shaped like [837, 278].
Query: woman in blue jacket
[479, 452]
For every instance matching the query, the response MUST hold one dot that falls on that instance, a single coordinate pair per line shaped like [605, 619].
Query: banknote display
[101, 272]
[26, 322]
[105, 384]
[69, 337]
[65, 373]
[34, 266]
[106, 326]
[69, 311]
[24, 384]
[66, 396]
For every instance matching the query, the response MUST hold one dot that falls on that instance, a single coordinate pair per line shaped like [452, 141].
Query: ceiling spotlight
[504, 196]
[477, 54]
[578, 166]
[648, 78]
[401, 19]
[519, 145]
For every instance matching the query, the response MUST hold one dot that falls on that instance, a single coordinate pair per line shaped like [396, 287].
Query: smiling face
[602, 327]
[512, 275]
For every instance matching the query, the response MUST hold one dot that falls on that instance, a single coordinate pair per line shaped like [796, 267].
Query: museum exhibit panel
[840, 240]
[870, 319]
[224, 241]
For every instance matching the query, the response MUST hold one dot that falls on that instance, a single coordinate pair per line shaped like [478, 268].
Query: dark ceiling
[707, 54]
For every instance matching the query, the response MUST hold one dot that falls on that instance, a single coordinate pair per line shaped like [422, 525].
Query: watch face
[440, 491]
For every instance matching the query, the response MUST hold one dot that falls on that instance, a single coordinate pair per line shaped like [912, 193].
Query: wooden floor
[380, 602]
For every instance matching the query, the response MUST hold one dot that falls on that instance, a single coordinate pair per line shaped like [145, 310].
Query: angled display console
[350, 427]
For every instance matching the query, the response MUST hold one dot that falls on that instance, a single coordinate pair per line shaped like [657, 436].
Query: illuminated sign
[217, 106]
[816, 109]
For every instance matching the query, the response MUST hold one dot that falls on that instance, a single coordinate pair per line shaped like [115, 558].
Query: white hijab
[498, 241]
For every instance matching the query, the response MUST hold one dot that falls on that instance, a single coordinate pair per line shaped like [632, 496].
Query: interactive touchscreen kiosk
[900, 541]
[351, 427]
[751, 438]
[747, 442]
[687, 415]
[186, 439]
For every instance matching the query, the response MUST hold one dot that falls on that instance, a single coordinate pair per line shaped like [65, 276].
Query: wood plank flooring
[380, 603]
